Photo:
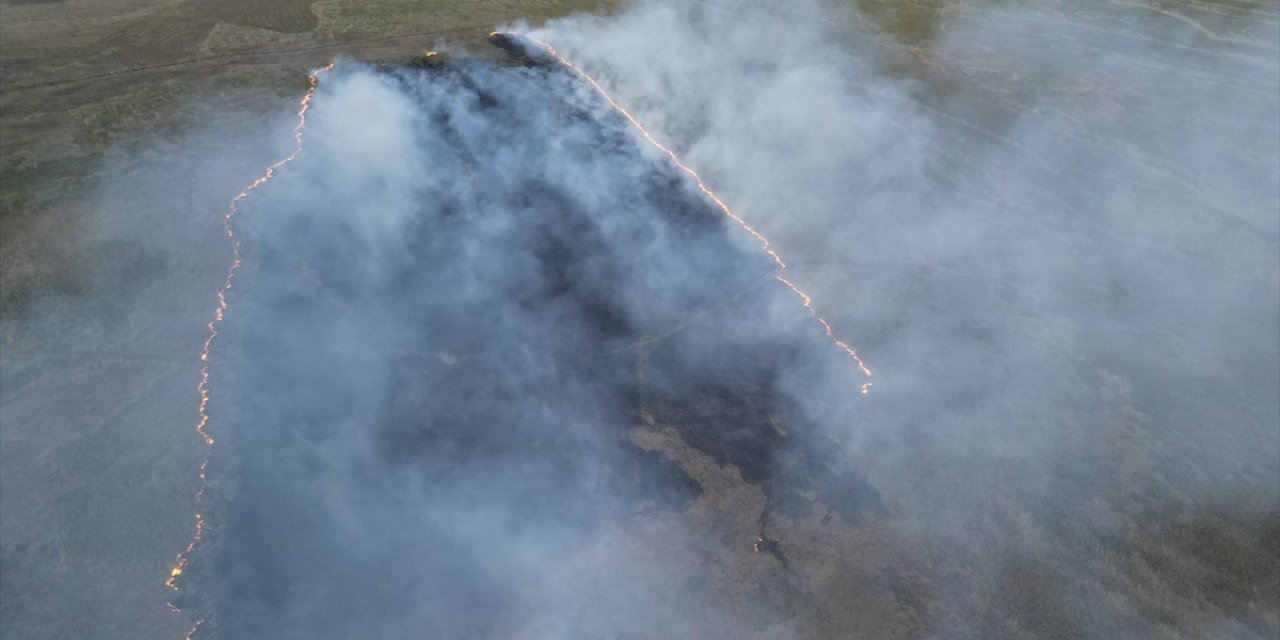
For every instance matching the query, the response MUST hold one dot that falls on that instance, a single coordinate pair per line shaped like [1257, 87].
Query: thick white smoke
[448, 354]
[493, 368]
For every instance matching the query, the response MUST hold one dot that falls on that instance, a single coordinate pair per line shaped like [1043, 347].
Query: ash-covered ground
[462, 303]
[1051, 229]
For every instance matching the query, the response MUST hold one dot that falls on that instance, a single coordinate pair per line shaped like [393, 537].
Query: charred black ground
[464, 387]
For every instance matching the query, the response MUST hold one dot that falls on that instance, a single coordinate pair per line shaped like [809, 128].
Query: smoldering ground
[1049, 229]
[1054, 235]
[455, 307]
[479, 282]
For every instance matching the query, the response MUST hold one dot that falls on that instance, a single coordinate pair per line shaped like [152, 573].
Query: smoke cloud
[494, 368]
[456, 308]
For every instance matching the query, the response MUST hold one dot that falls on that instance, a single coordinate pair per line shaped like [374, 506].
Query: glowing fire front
[805, 298]
[182, 560]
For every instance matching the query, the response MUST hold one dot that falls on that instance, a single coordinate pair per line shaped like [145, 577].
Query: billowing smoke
[457, 308]
[1054, 234]
[500, 370]
[493, 367]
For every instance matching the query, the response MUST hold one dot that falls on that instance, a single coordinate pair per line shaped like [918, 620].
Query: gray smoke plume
[1053, 232]
[457, 304]
[486, 332]
[495, 368]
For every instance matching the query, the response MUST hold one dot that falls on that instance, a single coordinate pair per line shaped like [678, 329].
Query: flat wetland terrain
[120, 122]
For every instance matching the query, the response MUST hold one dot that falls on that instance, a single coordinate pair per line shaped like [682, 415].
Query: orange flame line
[826, 326]
[183, 558]
[865, 387]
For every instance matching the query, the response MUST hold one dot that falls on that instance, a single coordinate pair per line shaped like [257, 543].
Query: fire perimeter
[183, 557]
[219, 312]
[805, 299]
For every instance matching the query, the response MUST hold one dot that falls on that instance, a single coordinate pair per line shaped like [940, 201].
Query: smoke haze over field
[495, 368]
[1056, 242]
[463, 298]
[478, 281]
